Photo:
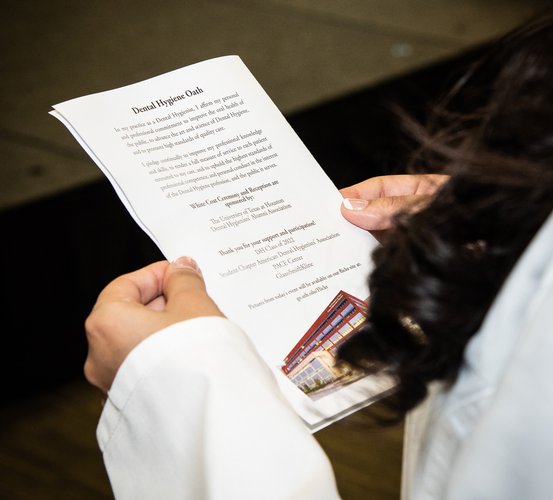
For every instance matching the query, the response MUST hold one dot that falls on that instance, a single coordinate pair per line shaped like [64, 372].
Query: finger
[158, 304]
[141, 286]
[185, 292]
[395, 185]
[113, 329]
[377, 214]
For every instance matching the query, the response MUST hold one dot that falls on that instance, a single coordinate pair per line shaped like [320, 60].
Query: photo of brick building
[310, 365]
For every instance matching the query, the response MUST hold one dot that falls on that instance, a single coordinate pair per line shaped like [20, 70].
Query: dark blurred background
[332, 67]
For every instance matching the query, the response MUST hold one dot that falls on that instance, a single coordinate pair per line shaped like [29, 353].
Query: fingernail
[354, 203]
[186, 263]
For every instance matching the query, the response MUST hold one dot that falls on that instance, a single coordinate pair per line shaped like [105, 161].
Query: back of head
[439, 270]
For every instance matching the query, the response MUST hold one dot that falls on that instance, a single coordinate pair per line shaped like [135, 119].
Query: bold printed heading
[161, 103]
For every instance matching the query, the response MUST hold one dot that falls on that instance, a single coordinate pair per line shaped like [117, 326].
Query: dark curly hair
[438, 271]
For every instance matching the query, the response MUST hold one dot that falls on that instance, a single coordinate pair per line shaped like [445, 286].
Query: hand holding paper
[208, 167]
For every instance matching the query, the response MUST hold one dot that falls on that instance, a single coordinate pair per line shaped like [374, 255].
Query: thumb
[185, 292]
[377, 214]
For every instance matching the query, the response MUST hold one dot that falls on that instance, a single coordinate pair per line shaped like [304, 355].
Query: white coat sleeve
[194, 413]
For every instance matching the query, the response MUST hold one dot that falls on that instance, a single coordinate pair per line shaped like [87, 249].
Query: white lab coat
[194, 413]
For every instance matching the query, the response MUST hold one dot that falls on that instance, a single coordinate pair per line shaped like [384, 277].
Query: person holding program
[460, 315]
